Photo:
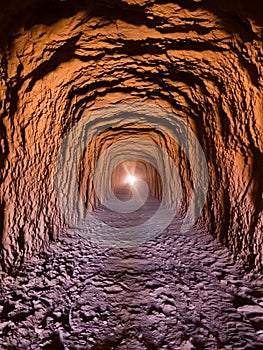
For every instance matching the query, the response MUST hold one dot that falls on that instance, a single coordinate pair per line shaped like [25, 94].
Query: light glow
[131, 180]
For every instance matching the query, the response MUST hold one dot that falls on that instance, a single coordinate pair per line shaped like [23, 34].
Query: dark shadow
[16, 14]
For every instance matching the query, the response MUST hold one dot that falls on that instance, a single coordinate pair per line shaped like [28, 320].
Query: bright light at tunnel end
[131, 180]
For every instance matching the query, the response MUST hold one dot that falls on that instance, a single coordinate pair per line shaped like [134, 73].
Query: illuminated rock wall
[59, 61]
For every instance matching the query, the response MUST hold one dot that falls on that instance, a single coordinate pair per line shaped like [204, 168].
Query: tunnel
[131, 174]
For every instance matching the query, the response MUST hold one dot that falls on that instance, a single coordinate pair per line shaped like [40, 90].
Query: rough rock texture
[198, 59]
[178, 292]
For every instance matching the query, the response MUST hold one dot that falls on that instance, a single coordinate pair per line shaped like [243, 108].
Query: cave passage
[131, 163]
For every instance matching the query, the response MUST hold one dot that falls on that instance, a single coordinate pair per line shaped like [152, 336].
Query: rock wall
[200, 60]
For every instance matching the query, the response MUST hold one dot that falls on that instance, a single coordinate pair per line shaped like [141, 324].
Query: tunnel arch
[145, 132]
[65, 59]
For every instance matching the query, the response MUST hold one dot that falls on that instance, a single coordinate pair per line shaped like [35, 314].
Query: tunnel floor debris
[178, 291]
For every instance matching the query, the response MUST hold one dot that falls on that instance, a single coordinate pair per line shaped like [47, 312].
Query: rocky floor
[178, 291]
